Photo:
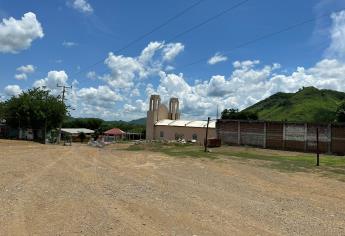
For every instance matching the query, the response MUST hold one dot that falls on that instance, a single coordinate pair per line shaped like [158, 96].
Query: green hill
[307, 105]
[141, 121]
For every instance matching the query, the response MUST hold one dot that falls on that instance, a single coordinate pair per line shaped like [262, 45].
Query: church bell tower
[174, 109]
[152, 116]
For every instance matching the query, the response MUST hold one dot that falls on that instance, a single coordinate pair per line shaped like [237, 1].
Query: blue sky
[49, 42]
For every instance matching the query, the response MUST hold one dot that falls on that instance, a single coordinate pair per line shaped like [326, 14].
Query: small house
[75, 133]
[114, 134]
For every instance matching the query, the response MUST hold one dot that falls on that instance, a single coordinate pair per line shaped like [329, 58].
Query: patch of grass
[175, 150]
[330, 166]
[135, 148]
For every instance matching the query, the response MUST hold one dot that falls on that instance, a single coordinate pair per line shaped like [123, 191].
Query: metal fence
[283, 135]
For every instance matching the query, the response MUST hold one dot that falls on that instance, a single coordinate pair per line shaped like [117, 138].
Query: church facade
[164, 123]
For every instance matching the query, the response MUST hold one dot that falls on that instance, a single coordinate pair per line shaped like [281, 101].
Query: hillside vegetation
[102, 125]
[307, 105]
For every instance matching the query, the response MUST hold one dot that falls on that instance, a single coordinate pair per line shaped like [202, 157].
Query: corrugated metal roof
[179, 123]
[164, 122]
[114, 131]
[186, 123]
[202, 123]
[77, 130]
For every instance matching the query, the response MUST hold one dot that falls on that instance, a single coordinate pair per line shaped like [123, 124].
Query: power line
[179, 14]
[233, 7]
[263, 37]
[209, 19]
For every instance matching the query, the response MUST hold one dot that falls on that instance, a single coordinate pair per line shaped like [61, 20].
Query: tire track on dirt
[92, 174]
[17, 224]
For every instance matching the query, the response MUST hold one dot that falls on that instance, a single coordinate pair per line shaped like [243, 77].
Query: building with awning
[114, 134]
[77, 131]
[74, 133]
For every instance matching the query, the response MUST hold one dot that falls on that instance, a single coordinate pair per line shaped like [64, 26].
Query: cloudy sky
[224, 53]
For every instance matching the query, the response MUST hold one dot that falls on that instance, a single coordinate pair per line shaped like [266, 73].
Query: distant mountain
[141, 121]
[307, 105]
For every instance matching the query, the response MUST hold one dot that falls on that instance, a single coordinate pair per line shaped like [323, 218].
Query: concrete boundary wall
[283, 135]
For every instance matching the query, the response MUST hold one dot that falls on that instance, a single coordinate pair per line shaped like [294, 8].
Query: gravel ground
[79, 190]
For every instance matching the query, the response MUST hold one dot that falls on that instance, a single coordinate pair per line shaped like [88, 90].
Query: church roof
[186, 123]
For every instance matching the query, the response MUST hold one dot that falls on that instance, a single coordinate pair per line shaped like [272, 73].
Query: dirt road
[79, 190]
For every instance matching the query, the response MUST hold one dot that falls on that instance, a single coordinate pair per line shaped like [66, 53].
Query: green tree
[235, 114]
[341, 113]
[36, 109]
[2, 111]
[88, 123]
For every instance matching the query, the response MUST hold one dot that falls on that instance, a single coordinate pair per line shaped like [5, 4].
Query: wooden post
[317, 148]
[239, 132]
[208, 122]
[284, 135]
[265, 135]
[305, 137]
[330, 138]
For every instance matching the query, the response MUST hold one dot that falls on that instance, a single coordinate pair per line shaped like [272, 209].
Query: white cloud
[128, 108]
[102, 93]
[53, 78]
[91, 75]
[81, 6]
[337, 34]
[26, 69]
[218, 86]
[69, 44]
[125, 71]
[217, 58]
[21, 76]
[17, 35]
[171, 50]
[135, 92]
[245, 64]
[134, 110]
[148, 52]
[12, 90]
[97, 102]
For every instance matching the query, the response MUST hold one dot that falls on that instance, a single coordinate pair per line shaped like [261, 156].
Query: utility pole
[217, 111]
[208, 122]
[64, 88]
[317, 148]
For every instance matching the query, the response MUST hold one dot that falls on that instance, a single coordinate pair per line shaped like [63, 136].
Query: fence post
[317, 148]
[265, 134]
[329, 138]
[305, 137]
[208, 122]
[284, 134]
[239, 132]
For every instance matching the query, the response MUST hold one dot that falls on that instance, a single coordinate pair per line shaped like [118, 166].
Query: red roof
[114, 131]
